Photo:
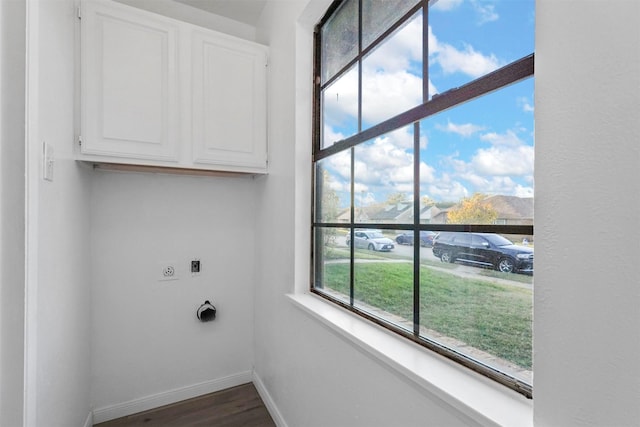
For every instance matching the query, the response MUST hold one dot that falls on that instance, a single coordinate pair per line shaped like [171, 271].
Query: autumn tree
[329, 207]
[330, 199]
[395, 198]
[427, 201]
[472, 210]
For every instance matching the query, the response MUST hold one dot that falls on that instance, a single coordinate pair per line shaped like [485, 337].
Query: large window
[423, 163]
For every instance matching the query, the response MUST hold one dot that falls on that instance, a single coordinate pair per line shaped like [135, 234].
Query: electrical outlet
[168, 271]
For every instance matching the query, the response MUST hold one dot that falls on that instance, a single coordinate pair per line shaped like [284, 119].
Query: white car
[372, 240]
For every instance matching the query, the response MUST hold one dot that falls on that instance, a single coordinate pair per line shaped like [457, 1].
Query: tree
[330, 207]
[330, 199]
[472, 210]
[395, 198]
[427, 201]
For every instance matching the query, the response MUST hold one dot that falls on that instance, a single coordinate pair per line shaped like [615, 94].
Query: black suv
[483, 249]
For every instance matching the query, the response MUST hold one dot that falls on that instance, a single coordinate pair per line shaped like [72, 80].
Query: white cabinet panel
[229, 102]
[129, 84]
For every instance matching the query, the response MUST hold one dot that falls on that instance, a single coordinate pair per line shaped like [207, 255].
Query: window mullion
[416, 229]
[352, 232]
[425, 52]
[360, 66]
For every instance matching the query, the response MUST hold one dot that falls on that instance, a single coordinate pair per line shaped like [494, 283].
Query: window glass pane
[479, 159]
[383, 179]
[379, 15]
[392, 75]
[383, 283]
[476, 294]
[340, 108]
[333, 189]
[331, 257]
[339, 39]
[493, 35]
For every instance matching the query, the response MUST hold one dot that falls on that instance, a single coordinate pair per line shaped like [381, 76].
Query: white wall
[147, 343]
[57, 282]
[12, 187]
[587, 203]
[148, 348]
[587, 297]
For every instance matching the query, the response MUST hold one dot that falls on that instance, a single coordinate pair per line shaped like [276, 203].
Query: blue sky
[484, 146]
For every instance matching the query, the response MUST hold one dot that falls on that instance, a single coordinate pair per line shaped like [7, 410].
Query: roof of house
[511, 207]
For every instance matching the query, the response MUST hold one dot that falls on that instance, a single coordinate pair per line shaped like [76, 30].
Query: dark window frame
[511, 73]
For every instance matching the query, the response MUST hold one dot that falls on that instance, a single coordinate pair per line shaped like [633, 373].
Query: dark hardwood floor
[239, 406]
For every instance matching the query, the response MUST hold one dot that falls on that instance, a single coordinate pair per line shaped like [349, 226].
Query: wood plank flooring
[239, 406]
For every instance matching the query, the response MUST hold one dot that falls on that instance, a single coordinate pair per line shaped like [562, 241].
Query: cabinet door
[228, 102]
[130, 105]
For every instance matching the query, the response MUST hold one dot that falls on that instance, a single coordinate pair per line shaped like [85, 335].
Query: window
[423, 174]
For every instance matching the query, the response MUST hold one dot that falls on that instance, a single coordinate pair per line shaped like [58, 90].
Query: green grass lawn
[491, 317]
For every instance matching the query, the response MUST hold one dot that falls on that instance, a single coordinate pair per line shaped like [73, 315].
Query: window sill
[478, 397]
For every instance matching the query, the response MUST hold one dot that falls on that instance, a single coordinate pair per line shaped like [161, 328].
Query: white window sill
[476, 396]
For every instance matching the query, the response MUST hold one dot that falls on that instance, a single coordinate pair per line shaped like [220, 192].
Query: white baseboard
[268, 401]
[88, 422]
[172, 396]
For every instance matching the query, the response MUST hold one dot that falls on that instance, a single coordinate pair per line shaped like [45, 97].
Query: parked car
[485, 250]
[426, 238]
[371, 239]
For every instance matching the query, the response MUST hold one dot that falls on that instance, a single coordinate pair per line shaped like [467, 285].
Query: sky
[485, 145]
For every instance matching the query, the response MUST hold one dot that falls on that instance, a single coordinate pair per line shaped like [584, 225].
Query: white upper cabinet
[228, 111]
[160, 92]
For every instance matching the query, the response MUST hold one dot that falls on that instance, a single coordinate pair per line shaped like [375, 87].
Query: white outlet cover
[167, 270]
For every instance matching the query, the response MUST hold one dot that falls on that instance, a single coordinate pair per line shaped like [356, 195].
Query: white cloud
[486, 12]
[396, 53]
[508, 138]
[521, 191]
[497, 185]
[341, 101]
[447, 189]
[446, 5]
[338, 186]
[427, 173]
[466, 129]
[387, 94]
[330, 136]
[504, 160]
[402, 174]
[525, 104]
[466, 60]
[391, 84]
[452, 161]
[340, 164]
[508, 155]
[382, 166]
[506, 167]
